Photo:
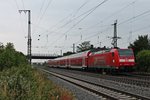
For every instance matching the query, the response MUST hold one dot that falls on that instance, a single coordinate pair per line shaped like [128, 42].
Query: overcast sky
[57, 24]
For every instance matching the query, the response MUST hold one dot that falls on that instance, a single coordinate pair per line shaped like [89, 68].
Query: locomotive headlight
[113, 60]
[131, 60]
[122, 60]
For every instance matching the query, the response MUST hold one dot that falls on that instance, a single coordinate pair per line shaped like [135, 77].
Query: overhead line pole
[73, 48]
[115, 38]
[115, 34]
[29, 35]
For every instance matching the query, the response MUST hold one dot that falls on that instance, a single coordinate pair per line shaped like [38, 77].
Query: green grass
[25, 83]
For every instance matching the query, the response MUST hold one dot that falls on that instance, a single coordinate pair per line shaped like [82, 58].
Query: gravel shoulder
[80, 94]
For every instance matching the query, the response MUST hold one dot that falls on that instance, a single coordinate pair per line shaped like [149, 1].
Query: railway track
[142, 76]
[138, 80]
[105, 92]
[117, 78]
[142, 73]
[129, 80]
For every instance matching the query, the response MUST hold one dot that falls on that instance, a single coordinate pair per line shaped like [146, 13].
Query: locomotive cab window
[125, 52]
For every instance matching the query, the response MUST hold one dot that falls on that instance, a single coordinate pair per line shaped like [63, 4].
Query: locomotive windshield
[125, 52]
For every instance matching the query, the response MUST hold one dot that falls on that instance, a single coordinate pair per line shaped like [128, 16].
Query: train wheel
[103, 72]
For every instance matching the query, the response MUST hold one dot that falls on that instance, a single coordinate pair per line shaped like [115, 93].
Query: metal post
[115, 34]
[115, 38]
[61, 53]
[29, 35]
[73, 48]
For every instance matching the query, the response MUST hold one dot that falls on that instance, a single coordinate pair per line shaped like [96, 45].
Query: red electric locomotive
[112, 59]
[101, 59]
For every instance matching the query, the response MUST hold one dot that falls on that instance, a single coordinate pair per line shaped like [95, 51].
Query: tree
[84, 46]
[67, 53]
[142, 43]
[143, 60]
[1, 46]
[20, 59]
[10, 46]
[9, 57]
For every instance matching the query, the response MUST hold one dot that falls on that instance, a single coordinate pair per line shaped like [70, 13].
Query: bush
[18, 81]
[25, 83]
[143, 61]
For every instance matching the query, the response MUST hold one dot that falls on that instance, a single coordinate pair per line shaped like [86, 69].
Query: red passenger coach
[79, 60]
[101, 59]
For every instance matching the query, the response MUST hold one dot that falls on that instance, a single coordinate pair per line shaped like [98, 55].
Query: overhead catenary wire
[134, 17]
[16, 4]
[50, 1]
[23, 4]
[127, 42]
[72, 14]
[97, 33]
[134, 32]
[69, 15]
[105, 19]
[44, 12]
[115, 13]
[40, 12]
[21, 22]
[80, 8]
[121, 23]
[90, 11]
[137, 16]
[104, 40]
[86, 13]
[68, 22]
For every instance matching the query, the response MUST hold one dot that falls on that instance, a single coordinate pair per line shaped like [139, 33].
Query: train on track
[108, 59]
